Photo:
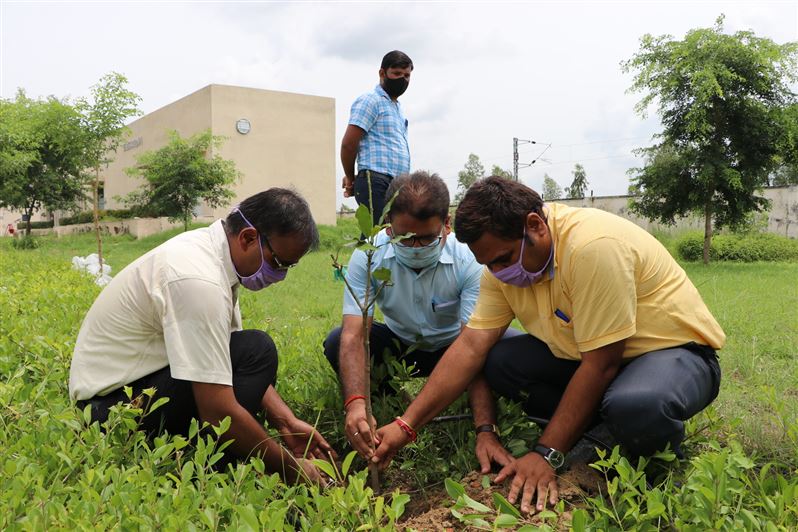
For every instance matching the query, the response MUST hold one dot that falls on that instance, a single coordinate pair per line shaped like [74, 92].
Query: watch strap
[488, 427]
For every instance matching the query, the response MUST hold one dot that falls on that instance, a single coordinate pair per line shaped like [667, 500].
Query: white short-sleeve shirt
[175, 306]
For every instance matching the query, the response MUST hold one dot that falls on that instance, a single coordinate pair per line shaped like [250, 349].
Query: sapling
[382, 277]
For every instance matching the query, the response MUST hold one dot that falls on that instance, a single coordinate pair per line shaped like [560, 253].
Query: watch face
[243, 126]
[556, 459]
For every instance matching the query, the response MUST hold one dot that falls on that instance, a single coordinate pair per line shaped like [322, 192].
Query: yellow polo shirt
[611, 280]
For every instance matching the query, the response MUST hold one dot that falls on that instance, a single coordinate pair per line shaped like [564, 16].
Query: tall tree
[181, 174]
[551, 189]
[578, 186]
[104, 117]
[500, 172]
[472, 171]
[41, 155]
[723, 100]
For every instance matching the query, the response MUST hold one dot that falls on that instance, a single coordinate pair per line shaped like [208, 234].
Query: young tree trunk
[29, 213]
[374, 473]
[707, 231]
[97, 216]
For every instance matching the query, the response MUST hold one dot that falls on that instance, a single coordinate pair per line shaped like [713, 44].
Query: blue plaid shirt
[384, 147]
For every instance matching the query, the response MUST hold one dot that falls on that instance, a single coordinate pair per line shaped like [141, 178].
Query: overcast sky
[485, 72]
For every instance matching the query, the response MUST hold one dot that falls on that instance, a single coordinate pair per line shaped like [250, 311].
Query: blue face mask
[418, 258]
[266, 275]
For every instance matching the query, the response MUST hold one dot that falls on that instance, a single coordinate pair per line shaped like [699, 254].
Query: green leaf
[504, 506]
[506, 521]
[579, 520]
[454, 489]
[485, 482]
[382, 274]
[347, 463]
[326, 467]
[475, 505]
[364, 221]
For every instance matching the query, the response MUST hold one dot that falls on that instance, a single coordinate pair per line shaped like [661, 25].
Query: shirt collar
[551, 222]
[219, 238]
[379, 90]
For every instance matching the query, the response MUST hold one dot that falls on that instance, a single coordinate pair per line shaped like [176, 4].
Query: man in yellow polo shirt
[617, 332]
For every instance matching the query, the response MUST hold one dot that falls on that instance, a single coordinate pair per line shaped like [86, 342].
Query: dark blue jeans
[379, 186]
[644, 407]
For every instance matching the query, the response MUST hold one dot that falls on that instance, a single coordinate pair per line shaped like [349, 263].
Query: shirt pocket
[445, 312]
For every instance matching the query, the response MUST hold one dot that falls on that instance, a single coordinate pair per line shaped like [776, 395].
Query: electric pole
[516, 142]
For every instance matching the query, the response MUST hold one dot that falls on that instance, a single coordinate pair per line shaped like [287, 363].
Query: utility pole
[516, 142]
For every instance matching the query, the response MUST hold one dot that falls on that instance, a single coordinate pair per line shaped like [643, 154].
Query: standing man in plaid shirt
[377, 135]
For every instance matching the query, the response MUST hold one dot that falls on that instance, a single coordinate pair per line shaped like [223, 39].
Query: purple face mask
[266, 275]
[516, 275]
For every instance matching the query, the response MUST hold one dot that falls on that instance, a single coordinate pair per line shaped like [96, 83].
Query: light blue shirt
[407, 305]
[384, 146]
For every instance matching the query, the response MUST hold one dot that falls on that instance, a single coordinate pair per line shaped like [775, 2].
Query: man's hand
[489, 449]
[532, 474]
[391, 438]
[300, 436]
[357, 429]
[348, 184]
[308, 473]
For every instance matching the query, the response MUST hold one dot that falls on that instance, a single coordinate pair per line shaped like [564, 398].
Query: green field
[59, 472]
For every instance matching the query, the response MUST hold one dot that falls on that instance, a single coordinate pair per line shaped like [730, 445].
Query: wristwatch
[554, 457]
[487, 428]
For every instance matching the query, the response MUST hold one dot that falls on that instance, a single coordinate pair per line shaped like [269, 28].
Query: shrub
[86, 217]
[334, 237]
[46, 224]
[750, 247]
[24, 242]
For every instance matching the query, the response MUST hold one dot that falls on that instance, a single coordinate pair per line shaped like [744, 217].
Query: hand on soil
[532, 474]
[300, 437]
[489, 449]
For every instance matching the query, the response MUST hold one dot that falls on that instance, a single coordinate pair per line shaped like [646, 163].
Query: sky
[485, 72]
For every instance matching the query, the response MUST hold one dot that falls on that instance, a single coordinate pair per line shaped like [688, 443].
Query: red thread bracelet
[410, 431]
[352, 399]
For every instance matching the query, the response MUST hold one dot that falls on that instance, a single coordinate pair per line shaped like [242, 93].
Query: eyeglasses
[280, 265]
[427, 241]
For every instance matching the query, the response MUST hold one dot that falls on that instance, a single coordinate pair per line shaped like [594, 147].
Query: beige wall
[188, 115]
[782, 218]
[291, 143]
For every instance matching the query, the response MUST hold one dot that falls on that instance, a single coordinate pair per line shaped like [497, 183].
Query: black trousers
[379, 187]
[254, 360]
[644, 407]
[383, 340]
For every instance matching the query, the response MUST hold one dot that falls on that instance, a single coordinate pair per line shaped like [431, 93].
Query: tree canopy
[727, 115]
[41, 155]
[578, 187]
[551, 189]
[181, 174]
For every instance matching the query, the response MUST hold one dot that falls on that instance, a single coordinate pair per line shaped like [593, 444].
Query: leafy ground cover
[59, 472]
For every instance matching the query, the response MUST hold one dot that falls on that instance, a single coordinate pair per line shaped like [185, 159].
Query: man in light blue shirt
[377, 135]
[434, 287]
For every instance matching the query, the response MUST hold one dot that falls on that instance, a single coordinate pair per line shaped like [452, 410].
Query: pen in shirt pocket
[560, 314]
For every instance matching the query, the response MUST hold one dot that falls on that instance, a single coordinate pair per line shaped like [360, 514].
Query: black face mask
[394, 87]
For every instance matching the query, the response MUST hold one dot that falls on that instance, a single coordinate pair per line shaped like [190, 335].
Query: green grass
[57, 472]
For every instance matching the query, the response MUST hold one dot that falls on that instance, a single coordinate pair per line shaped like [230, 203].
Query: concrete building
[276, 139]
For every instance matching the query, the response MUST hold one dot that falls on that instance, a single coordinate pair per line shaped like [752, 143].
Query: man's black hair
[497, 206]
[396, 59]
[276, 211]
[421, 195]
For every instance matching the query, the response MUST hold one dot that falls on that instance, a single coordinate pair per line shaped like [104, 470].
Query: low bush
[46, 224]
[85, 217]
[24, 242]
[750, 247]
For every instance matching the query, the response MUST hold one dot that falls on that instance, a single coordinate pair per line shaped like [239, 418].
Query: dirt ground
[431, 510]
